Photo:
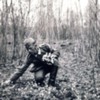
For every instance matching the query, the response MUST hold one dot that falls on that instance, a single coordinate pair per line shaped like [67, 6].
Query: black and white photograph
[49, 49]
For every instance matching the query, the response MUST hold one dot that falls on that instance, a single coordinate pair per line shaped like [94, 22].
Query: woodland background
[74, 33]
[42, 21]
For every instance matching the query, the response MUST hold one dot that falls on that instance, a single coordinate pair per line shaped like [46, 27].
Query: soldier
[45, 61]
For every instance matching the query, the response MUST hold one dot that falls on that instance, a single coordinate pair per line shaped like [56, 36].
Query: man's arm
[21, 71]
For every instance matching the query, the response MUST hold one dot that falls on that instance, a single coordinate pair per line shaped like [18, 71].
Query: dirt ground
[75, 80]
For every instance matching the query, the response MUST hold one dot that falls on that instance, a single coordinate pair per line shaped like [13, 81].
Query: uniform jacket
[36, 59]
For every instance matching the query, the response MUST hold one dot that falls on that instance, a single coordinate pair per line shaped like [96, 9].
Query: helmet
[29, 41]
[45, 47]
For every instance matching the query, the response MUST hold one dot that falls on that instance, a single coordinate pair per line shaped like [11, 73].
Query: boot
[51, 83]
[41, 84]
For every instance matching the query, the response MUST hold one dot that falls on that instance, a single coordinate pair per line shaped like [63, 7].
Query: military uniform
[42, 65]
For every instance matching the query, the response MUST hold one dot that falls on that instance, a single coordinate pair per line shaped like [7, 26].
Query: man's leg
[53, 74]
[39, 77]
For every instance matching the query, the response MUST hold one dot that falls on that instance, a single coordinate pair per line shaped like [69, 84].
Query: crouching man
[45, 61]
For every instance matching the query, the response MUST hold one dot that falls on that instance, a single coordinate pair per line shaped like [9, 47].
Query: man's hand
[46, 57]
[50, 59]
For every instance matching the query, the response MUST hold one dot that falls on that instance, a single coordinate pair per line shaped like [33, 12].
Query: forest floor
[75, 78]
